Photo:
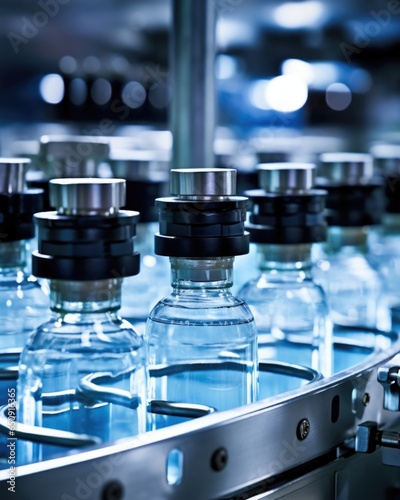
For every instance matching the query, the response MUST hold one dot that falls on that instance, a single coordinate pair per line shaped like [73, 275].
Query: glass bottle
[23, 302]
[384, 241]
[146, 174]
[242, 156]
[289, 308]
[354, 289]
[202, 341]
[84, 371]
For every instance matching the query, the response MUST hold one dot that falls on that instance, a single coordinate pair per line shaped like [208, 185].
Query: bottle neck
[391, 223]
[85, 297]
[292, 259]
[354, 238]
[12, 257]
[187, 273]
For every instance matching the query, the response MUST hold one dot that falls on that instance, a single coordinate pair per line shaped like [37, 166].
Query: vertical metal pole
[193, 83]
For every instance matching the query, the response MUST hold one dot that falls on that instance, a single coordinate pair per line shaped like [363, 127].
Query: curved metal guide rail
[249, 452]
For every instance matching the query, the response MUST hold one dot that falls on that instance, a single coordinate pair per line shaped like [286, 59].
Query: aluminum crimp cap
[203, 182]
[385, 151]
[78, 147]
[12, 174]
[139, 164]
[346, 168]
[286, 177]
[87, 196]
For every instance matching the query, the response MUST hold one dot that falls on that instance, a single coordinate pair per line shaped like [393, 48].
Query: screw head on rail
[219, 459]
[303, 429]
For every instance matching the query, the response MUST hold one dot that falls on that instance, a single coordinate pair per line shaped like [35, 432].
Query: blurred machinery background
[328, 66]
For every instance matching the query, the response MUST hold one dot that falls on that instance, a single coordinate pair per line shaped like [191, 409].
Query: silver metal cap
[385, 150]
[203, 182]
[88, 196]
[25, 149]
[140, 164]
[386, 157]
[77, 147]
[346, 168]
[286, 177]
[72, 156]
[12, 174]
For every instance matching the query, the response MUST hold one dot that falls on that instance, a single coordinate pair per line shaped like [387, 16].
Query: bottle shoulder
[21, 295]
[204, 308]
[340, 268]
[109, 334]
[21, 281]
[23, 305]
[204, 299]
[275, 286]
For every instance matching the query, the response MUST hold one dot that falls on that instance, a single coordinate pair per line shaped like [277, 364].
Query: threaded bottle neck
[13, 256]
[85, 297]
[201, 273]
[355, 237]
[284, 258]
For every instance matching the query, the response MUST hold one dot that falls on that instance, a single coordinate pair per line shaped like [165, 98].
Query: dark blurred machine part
[147, 177]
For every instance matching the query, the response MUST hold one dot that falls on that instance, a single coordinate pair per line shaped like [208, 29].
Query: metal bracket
[368, 437]
[389, 377]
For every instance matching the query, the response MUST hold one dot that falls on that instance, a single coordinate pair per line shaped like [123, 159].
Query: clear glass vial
[384, 240]
[354, 288]
[84, 370]
[290, 309]
[23, 302]
[202, 340]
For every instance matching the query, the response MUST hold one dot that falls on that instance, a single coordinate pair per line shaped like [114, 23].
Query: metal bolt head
[113, 490]
[366, 399]
[303, 429]
[219, 459]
